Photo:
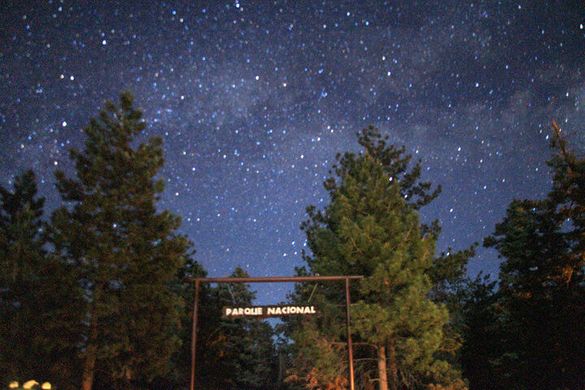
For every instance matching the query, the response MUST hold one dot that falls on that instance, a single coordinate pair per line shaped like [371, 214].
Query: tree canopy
[542, 287]
[126, 253]
[371, 227]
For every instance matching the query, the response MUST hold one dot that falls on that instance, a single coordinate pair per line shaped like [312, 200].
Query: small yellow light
[29, 384]
[13, 385]
[46, 386]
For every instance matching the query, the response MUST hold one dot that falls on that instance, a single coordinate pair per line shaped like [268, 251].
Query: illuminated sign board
[267, 311]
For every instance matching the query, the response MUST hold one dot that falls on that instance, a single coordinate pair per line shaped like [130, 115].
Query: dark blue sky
[254, 99]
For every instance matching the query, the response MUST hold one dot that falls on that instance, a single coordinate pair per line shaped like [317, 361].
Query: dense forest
[93, 296]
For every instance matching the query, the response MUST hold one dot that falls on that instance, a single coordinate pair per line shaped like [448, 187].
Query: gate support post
[349, 343]
[194, 334]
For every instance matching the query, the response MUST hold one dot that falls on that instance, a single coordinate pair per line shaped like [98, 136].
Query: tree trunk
[382, 374]
[90, 351]
[393, 365]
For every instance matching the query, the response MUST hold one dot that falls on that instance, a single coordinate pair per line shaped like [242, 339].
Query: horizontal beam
[274, 279]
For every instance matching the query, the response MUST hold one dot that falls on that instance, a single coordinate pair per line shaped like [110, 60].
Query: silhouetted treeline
[529, 332]
[94, 295]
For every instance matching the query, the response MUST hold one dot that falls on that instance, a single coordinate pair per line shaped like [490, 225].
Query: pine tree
[181, 361]
[371, 227]
[125, 252]
[21, 259]
[237, 353]
[317, 358]
[542, 285]
[35, 290]
[484, 342]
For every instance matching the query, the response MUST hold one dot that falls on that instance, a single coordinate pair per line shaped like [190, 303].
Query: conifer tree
[542, 285]
[37, 297]
[125, 252]
[371, 227]
[237, 353]
[21, 258]
[317, 357]
[483, 341]
[181, 361]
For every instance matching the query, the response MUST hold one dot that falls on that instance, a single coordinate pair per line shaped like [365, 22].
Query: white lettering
[268, 310]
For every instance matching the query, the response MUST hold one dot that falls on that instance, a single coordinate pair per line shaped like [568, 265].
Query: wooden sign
[267, 311]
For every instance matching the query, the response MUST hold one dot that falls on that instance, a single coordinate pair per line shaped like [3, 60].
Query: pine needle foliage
[126, 253]
[371, 227]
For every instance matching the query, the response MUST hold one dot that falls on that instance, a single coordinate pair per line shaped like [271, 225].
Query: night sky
[254, 99]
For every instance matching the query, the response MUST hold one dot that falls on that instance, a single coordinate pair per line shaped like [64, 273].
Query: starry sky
[253, 99]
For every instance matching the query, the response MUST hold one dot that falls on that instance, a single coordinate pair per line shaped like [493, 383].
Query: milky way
[254, 99]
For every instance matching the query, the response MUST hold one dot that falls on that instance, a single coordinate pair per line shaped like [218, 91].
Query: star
[254, 102]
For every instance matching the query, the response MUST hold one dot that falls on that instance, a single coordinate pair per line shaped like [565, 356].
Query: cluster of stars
[254, 100]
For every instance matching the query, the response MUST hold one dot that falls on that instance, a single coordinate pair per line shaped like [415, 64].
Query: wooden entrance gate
[272, 279]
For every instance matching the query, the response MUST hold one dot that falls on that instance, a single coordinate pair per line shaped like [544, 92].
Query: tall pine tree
[125, 252]
[483, 341]
[37, 297]
[542, 284]
[235, 353]
[21, 259]
[371, 227]
[181, 361]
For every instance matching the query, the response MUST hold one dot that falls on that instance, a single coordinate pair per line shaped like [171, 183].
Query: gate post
[349, 343]
[194, 334]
